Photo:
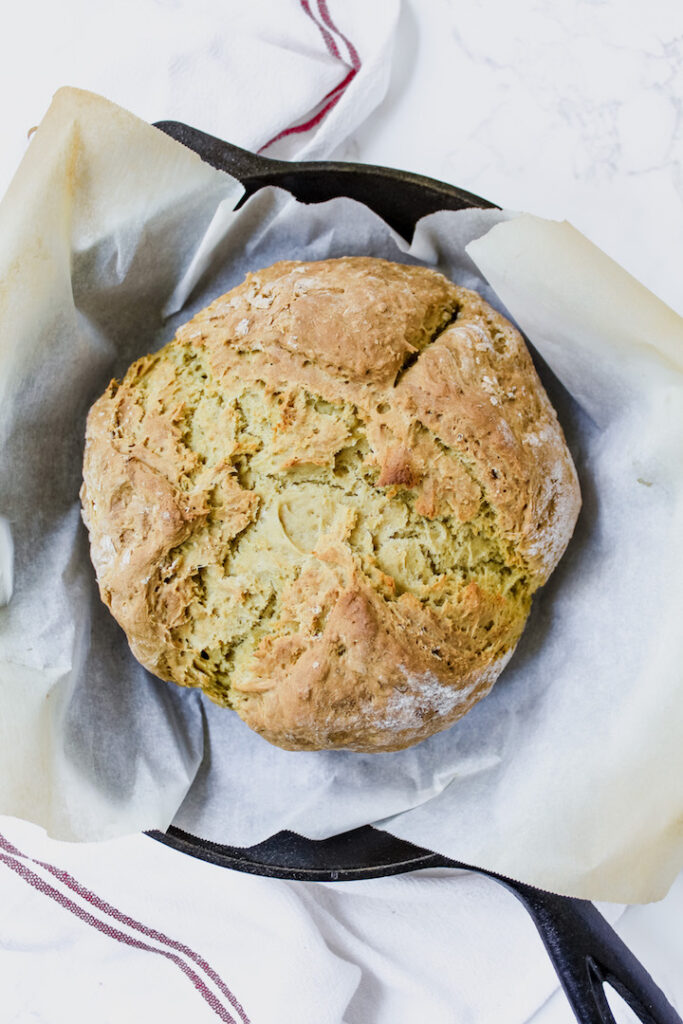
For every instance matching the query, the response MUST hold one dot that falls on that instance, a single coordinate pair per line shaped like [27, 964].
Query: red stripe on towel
[329, 39]
[10, 859]
[296, 128]
[335, 94]
[353, 52]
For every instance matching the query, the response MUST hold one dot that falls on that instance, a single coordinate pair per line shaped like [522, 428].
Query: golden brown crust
[329, 500]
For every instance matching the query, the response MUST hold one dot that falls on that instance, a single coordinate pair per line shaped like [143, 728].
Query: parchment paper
[569, 775]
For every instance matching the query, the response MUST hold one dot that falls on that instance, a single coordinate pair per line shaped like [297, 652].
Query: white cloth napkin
[130, 930]
[248, 72]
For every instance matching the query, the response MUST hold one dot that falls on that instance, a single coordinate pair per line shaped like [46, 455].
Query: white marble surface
[567, 108]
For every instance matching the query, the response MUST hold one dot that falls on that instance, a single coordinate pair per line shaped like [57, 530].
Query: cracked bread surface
[329, 500]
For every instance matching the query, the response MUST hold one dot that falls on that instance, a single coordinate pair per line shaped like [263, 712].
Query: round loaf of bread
[328, 502]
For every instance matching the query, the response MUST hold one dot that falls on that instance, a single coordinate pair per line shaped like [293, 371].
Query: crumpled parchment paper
[570, 774]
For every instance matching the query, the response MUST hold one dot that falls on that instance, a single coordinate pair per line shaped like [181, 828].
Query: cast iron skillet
[584, 949]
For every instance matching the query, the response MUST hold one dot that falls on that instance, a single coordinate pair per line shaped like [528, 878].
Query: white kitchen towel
[287, 77]
[130, 930]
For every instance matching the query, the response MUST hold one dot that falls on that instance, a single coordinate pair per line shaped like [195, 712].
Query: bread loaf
[329, 500]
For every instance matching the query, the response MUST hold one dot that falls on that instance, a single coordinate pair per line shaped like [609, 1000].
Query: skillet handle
[400, 198]
[225, 156]
[586, 952]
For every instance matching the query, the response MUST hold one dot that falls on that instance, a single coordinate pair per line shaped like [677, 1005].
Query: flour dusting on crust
[426, 697]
